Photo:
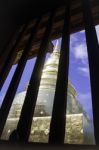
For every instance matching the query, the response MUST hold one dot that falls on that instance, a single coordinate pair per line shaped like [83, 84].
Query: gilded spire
[57, 47]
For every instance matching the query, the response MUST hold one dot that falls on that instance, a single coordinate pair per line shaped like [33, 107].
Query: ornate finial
[57, 47]
[27, 85]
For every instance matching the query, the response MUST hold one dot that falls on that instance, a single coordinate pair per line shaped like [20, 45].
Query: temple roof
[77, 24]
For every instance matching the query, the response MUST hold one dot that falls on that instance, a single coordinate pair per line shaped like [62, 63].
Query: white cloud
[80, 50]
[84, 71]
[80, 53]
[73, 38]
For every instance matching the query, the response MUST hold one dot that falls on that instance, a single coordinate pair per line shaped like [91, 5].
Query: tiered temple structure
[78, 125]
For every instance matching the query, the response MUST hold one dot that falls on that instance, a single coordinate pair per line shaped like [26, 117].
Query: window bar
[10, 58]
[93, 57]
[24, 124]
[57, 126]
[7, 102]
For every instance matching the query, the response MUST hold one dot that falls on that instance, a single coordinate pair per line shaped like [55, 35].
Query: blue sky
[78, 71]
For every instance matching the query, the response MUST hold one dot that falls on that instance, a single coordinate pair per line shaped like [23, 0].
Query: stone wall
[40, 129]
[74, 129]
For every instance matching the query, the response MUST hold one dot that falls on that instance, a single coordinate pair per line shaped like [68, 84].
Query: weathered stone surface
[40, 129]
[10, 125]
[74, 129]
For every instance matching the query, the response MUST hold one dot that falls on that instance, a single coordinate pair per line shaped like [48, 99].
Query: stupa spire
[57, 47]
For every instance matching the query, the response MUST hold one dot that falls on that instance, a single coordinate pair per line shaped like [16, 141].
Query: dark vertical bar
[7, 102]
[57, 126]
[4, 70]
[93, 56]
[24, 125]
